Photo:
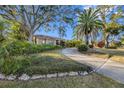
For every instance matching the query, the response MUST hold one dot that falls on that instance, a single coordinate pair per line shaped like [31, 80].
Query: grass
[53, 62]
[90, 81]
[97, 54]
[116, 52]
[113, 54]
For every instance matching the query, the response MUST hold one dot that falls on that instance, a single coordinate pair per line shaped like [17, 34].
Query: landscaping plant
[14, 55]
[73, 43]
[101, 44]
[91, 46]
[82, 47]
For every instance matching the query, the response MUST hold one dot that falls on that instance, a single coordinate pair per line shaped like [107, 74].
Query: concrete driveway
[106, 67]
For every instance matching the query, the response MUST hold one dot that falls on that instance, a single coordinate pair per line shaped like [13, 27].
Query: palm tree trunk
[87, 40]
[92, 40]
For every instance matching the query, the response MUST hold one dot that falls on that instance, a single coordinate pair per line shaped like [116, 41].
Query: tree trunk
[30, 39]
[106, 41]
[35, 40]
[87, 40]
[105, 33]
[92, 40]
[92, 43]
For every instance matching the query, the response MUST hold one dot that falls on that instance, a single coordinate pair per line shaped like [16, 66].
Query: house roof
[46, 37]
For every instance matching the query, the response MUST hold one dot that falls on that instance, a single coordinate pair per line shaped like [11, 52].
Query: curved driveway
[106, 67]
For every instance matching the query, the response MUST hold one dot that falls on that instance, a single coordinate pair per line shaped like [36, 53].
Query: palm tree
[62, 32]
[88, 24]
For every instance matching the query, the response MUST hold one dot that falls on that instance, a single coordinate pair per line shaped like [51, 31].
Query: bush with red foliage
[101, 44]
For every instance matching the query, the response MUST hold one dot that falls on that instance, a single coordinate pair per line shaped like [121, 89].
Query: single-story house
[43, 39]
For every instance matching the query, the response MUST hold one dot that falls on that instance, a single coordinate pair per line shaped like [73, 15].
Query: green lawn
[53, 62]
[90, 81]
[114, 54]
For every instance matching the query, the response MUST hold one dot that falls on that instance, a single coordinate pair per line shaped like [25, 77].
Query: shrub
[82, 47]
[101, 44]
[10, 53]
[90, 46]
[118, 44]
[13, 65]
[73, 43]
[24, 48]
[112, 47]
[16, 47]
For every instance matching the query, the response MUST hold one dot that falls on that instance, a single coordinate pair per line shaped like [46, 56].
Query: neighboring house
[43, 39]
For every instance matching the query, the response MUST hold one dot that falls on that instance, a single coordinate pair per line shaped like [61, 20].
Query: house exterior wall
[49, 41]
[42, 39]
[45, 41]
